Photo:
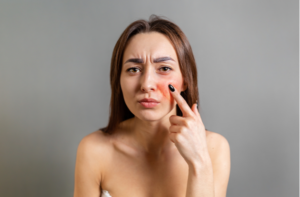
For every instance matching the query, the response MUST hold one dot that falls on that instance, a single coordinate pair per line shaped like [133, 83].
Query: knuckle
[181, 129]
[177, 138]
[172, 118]
[171, 128]
[185, 123]
[189, 123]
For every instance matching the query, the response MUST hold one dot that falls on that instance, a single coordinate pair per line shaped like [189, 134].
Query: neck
[152, 137]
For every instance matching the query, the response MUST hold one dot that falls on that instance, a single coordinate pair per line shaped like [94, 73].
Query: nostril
[147, 88]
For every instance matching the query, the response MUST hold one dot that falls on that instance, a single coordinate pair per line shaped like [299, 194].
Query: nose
[148, 83]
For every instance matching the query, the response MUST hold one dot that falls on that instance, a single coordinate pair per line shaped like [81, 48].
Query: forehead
[151, 44]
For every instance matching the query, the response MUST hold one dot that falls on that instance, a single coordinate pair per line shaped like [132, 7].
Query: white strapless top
[105, 194]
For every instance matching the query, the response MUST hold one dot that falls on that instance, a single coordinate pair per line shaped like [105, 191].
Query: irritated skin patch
[164, 89]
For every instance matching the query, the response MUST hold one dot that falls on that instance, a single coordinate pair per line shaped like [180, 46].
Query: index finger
[185, 108]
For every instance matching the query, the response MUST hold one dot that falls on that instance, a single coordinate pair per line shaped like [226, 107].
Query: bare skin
[143, 157]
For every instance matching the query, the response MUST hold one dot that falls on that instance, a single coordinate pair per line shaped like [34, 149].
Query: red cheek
[164, 88]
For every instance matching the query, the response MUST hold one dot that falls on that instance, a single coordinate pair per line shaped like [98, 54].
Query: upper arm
[87, 173]
[220, 155]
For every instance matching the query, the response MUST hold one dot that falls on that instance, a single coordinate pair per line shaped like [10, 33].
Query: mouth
[148, 102]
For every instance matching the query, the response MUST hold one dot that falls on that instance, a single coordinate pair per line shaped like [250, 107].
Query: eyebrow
[135, 60]
[156, 60]
[162, 59]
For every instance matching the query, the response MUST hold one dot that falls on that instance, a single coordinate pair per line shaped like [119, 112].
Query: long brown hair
[118, 109]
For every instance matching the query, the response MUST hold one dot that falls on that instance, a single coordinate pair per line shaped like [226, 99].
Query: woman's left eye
[165, 68]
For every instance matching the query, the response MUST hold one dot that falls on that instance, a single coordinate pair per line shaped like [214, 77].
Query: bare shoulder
[219, 151]
[91, 161]
[95, 141]
[95, 147]
[216, 143]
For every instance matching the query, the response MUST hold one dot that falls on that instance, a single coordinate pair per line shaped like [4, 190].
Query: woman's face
[149, 64]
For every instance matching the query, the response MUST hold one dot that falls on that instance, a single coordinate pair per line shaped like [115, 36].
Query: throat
[149, 138]
[154, 143]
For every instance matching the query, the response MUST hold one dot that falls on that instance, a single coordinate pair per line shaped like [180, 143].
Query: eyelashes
[132, 70]
[166, 67]
[135, 69]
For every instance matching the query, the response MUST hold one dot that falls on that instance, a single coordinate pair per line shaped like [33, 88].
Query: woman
[155, 143]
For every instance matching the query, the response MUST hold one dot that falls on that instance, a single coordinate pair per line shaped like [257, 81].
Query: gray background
[54, 80]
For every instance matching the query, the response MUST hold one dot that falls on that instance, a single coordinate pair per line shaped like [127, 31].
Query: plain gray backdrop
[54, 82]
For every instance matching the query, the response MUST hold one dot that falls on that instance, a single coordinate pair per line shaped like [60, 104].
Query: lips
[149, 100]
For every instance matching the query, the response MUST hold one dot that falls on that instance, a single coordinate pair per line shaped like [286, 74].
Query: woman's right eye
[133, 70]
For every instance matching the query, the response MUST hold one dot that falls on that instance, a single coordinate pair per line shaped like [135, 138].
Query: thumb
[195, 110]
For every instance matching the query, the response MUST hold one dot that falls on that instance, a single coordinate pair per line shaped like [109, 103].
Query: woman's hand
[188, 132]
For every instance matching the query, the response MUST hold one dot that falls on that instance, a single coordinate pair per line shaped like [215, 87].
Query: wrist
[198, 166]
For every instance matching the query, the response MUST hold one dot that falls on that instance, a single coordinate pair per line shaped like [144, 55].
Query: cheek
[128, 87]
[164, 88]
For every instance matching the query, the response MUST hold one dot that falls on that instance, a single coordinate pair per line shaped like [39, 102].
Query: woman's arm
[210, 177]
[87, 174]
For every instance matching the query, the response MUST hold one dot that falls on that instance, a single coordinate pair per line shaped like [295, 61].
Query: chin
[150, 115]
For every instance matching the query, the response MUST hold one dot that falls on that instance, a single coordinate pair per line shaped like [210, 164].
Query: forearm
[200, 179]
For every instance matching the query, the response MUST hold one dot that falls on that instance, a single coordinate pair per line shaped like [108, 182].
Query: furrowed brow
[162, 59]
[135, 60]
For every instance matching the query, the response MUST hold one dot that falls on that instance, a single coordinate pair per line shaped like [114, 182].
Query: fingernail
[171, 88]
